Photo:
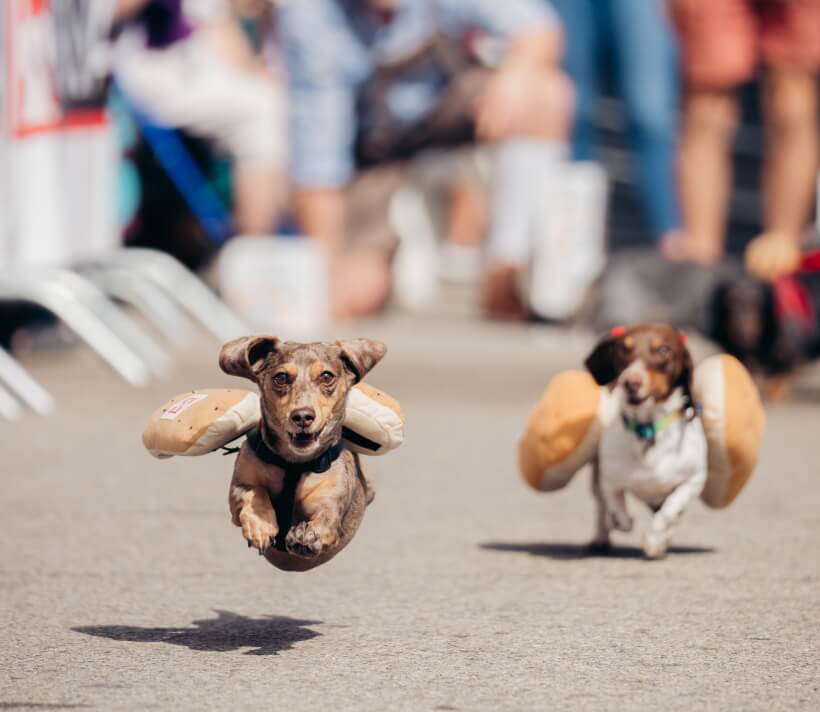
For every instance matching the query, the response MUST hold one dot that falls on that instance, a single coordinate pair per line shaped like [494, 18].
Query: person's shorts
[383, 155]
[186, 86]
[724, 41]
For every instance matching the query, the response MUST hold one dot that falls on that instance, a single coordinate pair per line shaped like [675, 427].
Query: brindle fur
[328, 506]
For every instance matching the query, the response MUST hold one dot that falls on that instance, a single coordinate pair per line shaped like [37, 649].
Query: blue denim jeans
[642, 46]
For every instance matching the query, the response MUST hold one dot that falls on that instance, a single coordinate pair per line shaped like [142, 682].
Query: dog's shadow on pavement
[564, 551]
[227, 632]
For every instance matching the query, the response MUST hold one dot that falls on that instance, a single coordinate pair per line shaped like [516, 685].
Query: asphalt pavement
[124, 585]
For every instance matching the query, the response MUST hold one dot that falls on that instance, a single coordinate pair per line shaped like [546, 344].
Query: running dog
[297, 495]
[656, 450]
[772, 327]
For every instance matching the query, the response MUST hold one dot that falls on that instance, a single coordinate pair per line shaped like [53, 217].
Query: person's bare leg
[790, 109]
[359, 278]
[709, 121]
[525, 158]
[461, 256]
[467, 215]
[259, 193]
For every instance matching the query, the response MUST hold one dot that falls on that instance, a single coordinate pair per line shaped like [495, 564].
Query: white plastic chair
[59, 239]
[176, 284]
[25, 388]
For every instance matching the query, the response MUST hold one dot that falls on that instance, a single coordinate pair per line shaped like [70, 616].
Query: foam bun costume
[198, 422]
[733, 419]
[563, 431]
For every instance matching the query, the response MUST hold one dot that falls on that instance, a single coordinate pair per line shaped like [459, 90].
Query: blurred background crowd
[590, 161]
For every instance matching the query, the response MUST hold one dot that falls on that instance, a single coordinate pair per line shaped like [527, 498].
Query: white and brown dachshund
[656, 449]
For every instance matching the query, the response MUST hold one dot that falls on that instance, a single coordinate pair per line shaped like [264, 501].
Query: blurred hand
[771, 256]
[504, 107]
[521, 100]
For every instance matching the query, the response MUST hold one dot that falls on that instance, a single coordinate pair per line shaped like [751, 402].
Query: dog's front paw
[258, 532]
[620, 520]
[303, 540]
[655, 544]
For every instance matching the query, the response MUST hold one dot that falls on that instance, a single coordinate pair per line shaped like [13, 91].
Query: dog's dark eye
[327, 376]
[664, 351]
[281, 379]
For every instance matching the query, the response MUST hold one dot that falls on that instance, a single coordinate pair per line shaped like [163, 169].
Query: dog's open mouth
[303, 440]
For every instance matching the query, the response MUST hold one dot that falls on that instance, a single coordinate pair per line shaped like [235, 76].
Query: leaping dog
[297, 495]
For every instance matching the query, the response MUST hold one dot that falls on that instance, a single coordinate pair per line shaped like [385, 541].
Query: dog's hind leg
[600, 542]
[369, 490]
[656, 539]
[617, 516]
[367, 483]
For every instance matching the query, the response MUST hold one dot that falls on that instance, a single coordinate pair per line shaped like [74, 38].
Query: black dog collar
[283, 506]
[268, 456]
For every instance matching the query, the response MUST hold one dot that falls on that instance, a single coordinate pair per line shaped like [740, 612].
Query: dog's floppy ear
[603, 363]
[360, 355]
[687, 374]
[244, 357]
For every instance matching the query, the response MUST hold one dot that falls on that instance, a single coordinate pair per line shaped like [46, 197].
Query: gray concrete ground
[123, 584]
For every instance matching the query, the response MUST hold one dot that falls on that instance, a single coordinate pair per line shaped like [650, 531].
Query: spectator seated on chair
[187, 65]
[375, 82]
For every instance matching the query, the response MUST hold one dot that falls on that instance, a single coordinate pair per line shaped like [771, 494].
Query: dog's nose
[633, 384]
[303, 417]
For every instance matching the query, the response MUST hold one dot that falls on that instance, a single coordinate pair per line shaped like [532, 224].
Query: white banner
[59, 167]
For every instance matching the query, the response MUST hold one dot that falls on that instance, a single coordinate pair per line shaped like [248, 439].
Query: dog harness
[793, 303]
[649, 431]
[283, 506]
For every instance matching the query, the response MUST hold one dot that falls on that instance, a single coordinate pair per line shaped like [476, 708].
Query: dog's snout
[303, 417]
[633, 383]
